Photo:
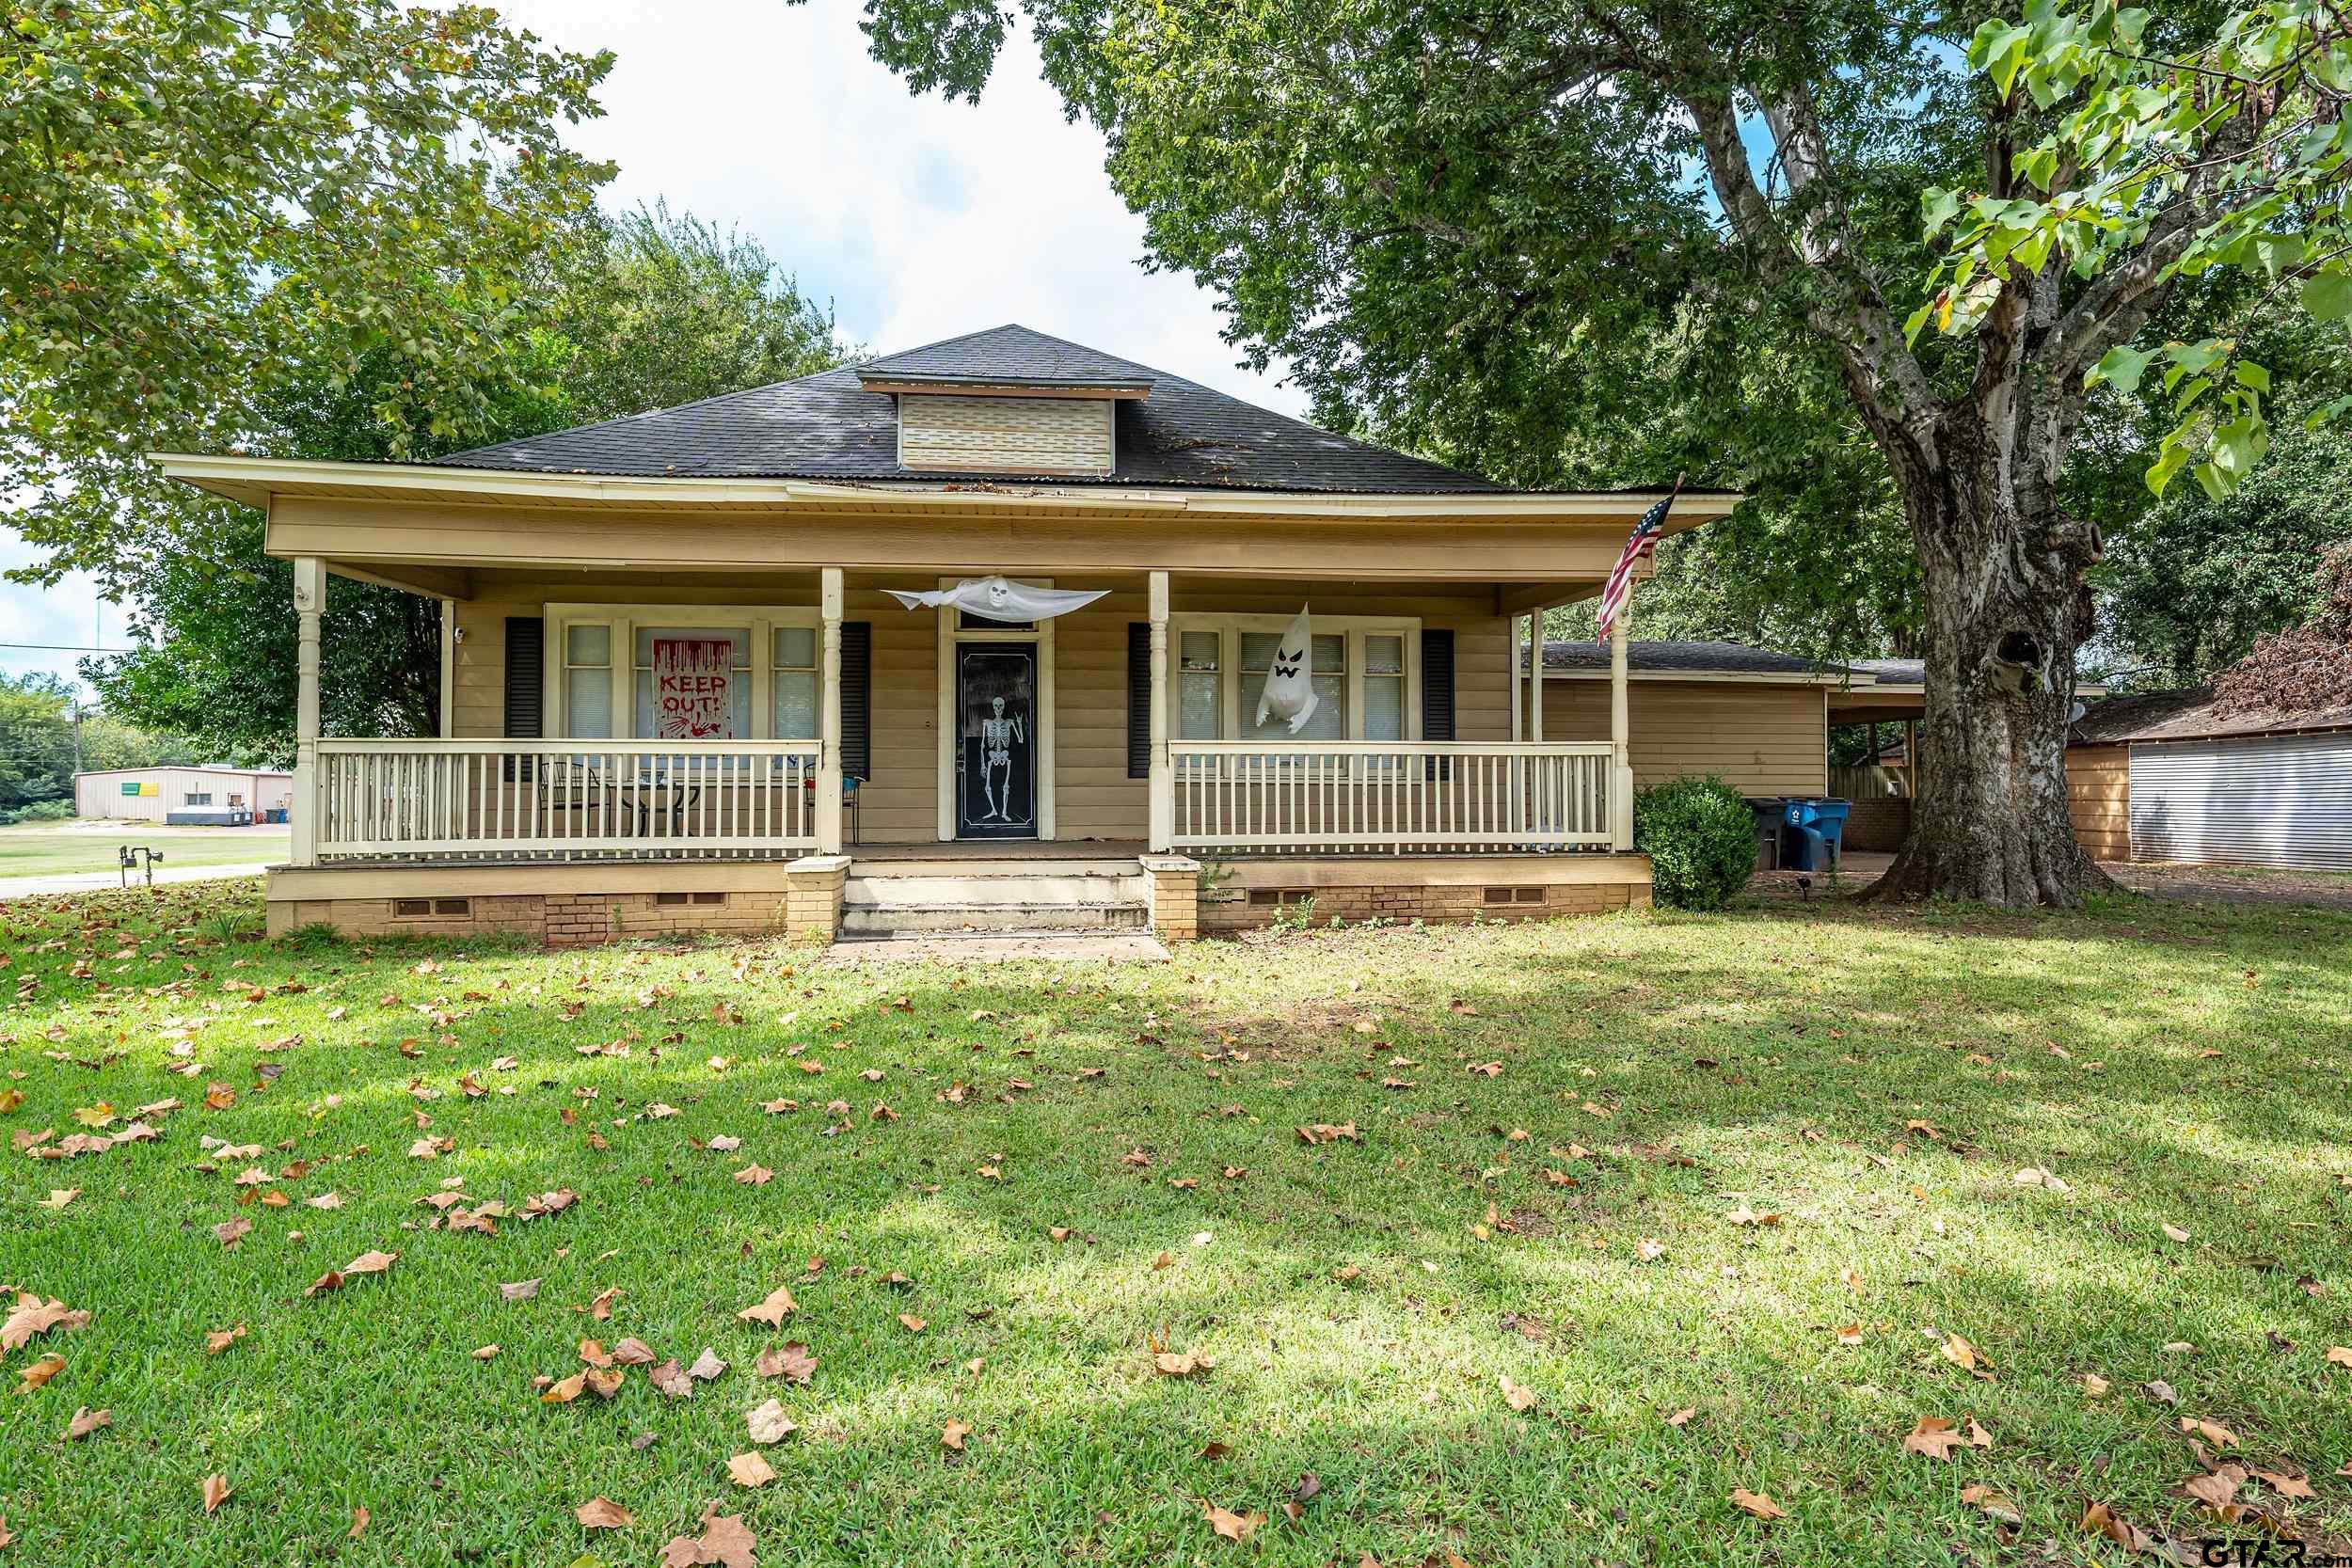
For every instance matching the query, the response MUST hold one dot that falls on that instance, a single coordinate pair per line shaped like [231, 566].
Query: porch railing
[1389, 796]
[562, 800]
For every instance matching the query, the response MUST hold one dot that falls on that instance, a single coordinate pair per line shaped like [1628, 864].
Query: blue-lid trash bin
[1815, 840]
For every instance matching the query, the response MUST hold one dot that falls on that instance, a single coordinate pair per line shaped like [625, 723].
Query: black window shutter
[526, 681]
[1138, 699]
[1437, 690]
[857, 699]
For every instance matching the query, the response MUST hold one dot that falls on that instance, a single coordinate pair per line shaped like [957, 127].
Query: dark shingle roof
[1893, 672]
[828, 426]
[2188, 715]
[1687, 658]
[1009, 356]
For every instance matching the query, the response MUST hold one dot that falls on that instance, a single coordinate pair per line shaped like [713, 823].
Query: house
[183, 796]
[2166, 776]
[684, 688]
[1757, 717]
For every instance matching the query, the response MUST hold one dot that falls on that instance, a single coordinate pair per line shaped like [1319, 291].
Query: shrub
[40, 811]
[1700, 837]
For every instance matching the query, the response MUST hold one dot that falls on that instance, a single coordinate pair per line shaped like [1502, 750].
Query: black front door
[996, 741]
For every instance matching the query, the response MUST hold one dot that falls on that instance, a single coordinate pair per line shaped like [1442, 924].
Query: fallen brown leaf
[773, 1311]
[216, 1491]
[770, 1424]
[751, 1469]
[602, 1513]
[1232, 1526]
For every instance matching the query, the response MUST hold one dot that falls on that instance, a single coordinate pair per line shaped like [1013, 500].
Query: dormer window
[999, 404]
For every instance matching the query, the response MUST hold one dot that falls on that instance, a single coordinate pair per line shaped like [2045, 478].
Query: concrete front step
[874, 920]
[896, 890]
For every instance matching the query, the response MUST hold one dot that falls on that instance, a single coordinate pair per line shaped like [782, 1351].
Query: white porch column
[449, 669]
[1541, 808]
[1620, 734]
[309, 592]
[829, 727]
[1518, 663]
[1163, 777]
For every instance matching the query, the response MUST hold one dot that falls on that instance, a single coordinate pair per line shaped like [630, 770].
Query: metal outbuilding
[184, 795]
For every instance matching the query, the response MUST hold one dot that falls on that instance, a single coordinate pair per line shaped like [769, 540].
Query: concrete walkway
[97, 881]
[1006, 947]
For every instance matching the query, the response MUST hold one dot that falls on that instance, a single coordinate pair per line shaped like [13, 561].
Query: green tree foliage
[204, 203]
[2156, 158]
[639, 312]
[1628, 238]
[38, 740]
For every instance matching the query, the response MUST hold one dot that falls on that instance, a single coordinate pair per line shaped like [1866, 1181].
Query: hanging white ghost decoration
[996, 599]
[1290, 684]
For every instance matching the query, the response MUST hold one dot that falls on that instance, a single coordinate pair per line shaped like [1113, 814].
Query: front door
[996, 741]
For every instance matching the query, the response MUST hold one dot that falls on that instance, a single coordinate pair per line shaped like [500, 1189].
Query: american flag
[1637, 546]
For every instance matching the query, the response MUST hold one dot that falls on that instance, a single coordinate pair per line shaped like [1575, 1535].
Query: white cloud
[919, 218]
[922, 219]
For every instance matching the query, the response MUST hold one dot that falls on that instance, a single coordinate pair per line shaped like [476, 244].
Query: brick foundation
[813, 904]
[560, 920]
[1175, 896]
[1404, 903]
[1877, 827]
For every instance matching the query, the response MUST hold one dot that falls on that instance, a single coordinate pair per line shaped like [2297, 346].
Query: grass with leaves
[1597, 1230]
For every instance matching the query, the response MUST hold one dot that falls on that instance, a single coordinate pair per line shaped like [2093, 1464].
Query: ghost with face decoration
[1290, 684]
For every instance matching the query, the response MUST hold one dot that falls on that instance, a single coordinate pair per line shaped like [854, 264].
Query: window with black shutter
[857, 699]
[526, 683]
[1138, 699]
[1436, 693]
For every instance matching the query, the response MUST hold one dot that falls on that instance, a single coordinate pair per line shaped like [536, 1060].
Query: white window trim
[623, 622]
[1230, 627]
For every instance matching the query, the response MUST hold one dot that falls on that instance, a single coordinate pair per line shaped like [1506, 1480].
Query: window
[588, 682]
[1329, 721]
[794, 662]
[198, 798]
[1384, 687]
[602, 684]
[738, 721]
[1366, 678]
[1200, 685]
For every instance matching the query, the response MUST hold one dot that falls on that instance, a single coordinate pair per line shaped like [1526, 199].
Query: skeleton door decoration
[1290, 681]
[997, 732]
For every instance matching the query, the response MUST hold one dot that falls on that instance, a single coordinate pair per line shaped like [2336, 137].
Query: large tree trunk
[2006, 607]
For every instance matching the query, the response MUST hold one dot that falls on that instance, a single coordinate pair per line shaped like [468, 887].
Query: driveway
[92, 881]
[2210, 884]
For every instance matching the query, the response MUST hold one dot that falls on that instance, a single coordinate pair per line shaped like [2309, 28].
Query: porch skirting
[582, 903]
[1437, 890]
[562, 905]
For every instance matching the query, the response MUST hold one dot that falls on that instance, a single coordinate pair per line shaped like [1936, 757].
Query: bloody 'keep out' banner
[690, 686]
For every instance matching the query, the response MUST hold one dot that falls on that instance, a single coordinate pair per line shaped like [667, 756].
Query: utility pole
[77, 734]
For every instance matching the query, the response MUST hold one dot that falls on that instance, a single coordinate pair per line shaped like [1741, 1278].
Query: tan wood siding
[1759, 738]
[1011, 435]
[2099, 798]
[1093, 796]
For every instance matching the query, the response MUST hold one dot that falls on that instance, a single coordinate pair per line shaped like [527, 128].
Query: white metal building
[183, 795]
[2242, 789]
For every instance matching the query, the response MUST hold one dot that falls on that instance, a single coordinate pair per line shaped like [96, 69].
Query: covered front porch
[858, 725]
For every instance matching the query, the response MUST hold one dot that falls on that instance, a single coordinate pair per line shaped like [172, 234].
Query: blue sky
[918, 218]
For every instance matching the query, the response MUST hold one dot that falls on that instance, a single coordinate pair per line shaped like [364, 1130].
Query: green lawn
[50, 848]
[1868, 1084]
